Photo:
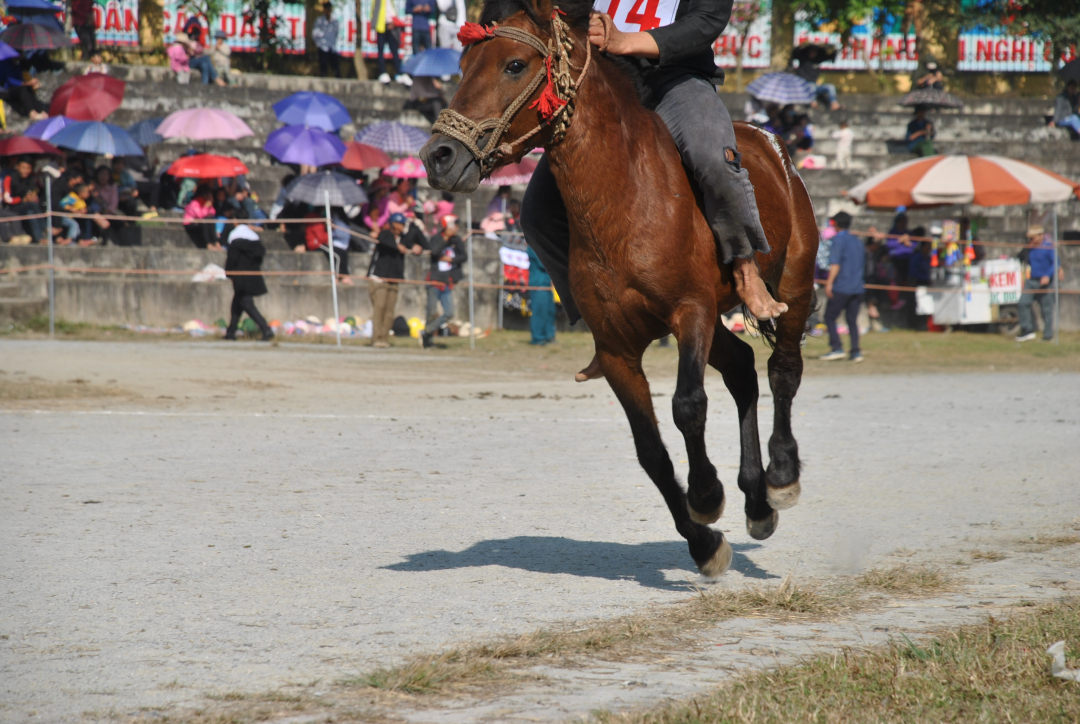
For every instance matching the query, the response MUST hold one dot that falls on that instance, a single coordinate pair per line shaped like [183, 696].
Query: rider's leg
[702, 130]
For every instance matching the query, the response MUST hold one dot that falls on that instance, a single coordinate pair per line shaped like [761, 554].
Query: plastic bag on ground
[1057, 666]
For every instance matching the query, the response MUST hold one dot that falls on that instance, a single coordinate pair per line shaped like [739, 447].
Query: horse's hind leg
[710, 551]
[785, 374]
[734, 359]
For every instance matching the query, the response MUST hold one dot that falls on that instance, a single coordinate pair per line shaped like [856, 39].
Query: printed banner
[243, 36]
[116, 22]
[996, 51]
[893, 51]
[368, 41]
[345, 14]
[1005, 279]
[757, 53]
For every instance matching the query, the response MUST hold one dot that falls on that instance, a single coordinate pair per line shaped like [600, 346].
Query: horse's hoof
[785, 497]
[720, 561]
[762, 529]
[706, 518]
[591, 372]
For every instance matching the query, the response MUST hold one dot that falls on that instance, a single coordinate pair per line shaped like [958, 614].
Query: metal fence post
[333, 268]
[472, 293]
[1057, 273]
[499, 292]
[52, 273]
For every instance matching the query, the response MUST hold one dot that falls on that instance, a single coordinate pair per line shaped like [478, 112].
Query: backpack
[451, 12]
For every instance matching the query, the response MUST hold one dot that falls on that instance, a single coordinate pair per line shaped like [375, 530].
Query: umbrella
[97, 137]
[361, 157]
[308, 108]
[30, 36]
[1071, 70]
[90, 97]
[931, 98]
[410, 167]
[203, 124]
[207, 165]
[145, 132]
[782, 88]
[7, 52]
[30, 6]
[311, 188]
[305, 145]
[47, 128]
[434, 63]
[961, 179]
[512, 173]
[814, 54]
[393, 137]
[21, 145]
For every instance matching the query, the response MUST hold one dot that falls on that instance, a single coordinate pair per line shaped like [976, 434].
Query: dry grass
[913, 580]
[1040, 543]
[996, 671]
[990, 556]
[14, 389]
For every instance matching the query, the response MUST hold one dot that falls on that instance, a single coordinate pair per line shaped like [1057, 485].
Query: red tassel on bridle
[548, 104]
[474, 32]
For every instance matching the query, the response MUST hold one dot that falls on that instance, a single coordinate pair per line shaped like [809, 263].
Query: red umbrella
[207, 165]
[23, 146]
[89, 97]
[361, 157]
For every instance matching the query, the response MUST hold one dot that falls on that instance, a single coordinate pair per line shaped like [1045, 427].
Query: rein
[555, 104]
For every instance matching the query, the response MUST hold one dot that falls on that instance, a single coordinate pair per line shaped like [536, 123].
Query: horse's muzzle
[450, 166]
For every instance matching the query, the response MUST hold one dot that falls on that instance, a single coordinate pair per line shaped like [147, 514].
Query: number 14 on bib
[637, 16]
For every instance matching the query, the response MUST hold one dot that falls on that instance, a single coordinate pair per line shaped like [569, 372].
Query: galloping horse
[643, 260]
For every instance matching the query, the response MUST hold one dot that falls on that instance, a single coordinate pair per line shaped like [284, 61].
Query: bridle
[555, 104]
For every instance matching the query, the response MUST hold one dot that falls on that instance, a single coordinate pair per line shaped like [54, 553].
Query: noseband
[555, 104]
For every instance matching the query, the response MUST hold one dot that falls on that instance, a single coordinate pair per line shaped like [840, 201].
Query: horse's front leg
[693, 326]
[709, 549]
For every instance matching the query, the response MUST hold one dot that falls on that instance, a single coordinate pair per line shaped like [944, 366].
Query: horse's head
[515, 87]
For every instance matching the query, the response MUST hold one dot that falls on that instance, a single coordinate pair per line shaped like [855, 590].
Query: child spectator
[201, 207]
[845, 137]
[97, 65]
[82, 230]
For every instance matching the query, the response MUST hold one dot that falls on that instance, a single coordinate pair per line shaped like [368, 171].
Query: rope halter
[555, 104]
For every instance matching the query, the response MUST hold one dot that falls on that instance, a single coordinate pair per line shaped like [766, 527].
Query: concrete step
[22, 310]
[9, 290]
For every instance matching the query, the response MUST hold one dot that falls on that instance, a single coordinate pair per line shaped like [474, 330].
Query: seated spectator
[444, 207]
[200, 61]
[314, 233]
[127, 189]
[931, 77]
[281, 201]
[105, 200]
[97, 65]
[180, 59]
[81, 230]
[426, 97]
[499, 201]
[244, 202]
[375, 213]
[920, 134]
[22, 196]
[1065, 110]
[401, 199]
[221, 57]
[201, 207]
[195, 30]
[21, 91]
[808, 70]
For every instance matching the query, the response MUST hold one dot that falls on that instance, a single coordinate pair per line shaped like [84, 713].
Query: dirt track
[193, 517]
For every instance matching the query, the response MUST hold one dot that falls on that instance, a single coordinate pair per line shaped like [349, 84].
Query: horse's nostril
[442, 156]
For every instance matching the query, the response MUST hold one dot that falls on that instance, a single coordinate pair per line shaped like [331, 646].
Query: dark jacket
[246, 255]
[438, 248]
[386, 260]
[686, 46]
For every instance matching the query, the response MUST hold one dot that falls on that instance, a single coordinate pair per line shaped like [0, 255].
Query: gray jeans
[702, 130]
[1046, 305]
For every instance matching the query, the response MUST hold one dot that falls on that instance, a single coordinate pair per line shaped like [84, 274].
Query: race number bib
[637, 16]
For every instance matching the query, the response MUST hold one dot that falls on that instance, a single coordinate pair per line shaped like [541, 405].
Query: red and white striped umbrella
[961, 179]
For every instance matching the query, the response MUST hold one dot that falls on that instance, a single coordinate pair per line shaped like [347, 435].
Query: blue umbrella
[306, 145]
[434, 63]
[7, 52]
[145, 132]
[308, 108]
[97, 137]
[393, 137]
[29, 6]
[48, 128]
[782, 88]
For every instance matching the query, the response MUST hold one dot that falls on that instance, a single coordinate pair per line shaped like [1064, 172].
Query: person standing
[845, 137]
[844, 288]
[22, 196]
[387, 268]
[448, 252]
[82, 20]
[246, 254]
[421, 24]
[325, 35]
[451, 18]
[541, 302]
[1042, 262]
[385, 21]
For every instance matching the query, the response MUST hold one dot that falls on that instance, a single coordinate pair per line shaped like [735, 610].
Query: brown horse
[643, 261]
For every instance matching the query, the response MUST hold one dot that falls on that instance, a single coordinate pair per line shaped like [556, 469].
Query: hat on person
[842, 219]
[182, 37]
[221, 35]
[932, 65]
[397, 218]
[1035, 231]
[448, 222]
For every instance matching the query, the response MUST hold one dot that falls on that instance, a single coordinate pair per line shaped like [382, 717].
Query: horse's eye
[516, 67]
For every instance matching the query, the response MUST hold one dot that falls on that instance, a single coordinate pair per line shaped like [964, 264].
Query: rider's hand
[602, 29]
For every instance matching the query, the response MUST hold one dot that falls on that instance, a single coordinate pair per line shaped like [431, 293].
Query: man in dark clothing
[1042, 261]
[675, 55]
[246, 254]
[22, 196]
[920, 133]
[82, 19]
[448, 252]
[844, 287]
[387, 266]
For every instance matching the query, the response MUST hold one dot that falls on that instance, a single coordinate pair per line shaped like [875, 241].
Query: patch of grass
[1040, 543]
[996, 671]
[914, 580]
[37, 389]
[427, 674]
[988, 555]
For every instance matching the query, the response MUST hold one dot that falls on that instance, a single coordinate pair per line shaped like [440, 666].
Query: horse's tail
[765, 327]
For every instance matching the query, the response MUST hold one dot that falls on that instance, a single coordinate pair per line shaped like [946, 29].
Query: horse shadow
[644, 563]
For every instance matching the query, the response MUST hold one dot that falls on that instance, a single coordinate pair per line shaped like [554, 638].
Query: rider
[674, 49]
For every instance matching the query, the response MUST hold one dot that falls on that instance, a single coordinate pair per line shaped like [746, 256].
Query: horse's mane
[576, 16]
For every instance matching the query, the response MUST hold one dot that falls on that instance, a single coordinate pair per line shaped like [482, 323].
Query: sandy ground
[184, 518]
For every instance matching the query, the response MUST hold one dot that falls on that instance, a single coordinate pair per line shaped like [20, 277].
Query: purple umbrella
[48, 128]
[393, 137]
[306, 145]
[7, 52]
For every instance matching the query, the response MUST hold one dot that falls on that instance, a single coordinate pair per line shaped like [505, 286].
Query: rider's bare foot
[751, 289]
[591, 372]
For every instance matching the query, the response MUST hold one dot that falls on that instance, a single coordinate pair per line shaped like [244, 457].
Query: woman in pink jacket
[201, 207]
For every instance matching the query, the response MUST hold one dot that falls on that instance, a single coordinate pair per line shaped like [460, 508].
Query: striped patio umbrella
[962, 179]
[782, 88]
[393, 137]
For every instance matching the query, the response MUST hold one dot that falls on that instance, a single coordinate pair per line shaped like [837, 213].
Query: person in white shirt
[844, 139]
[451, 18]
